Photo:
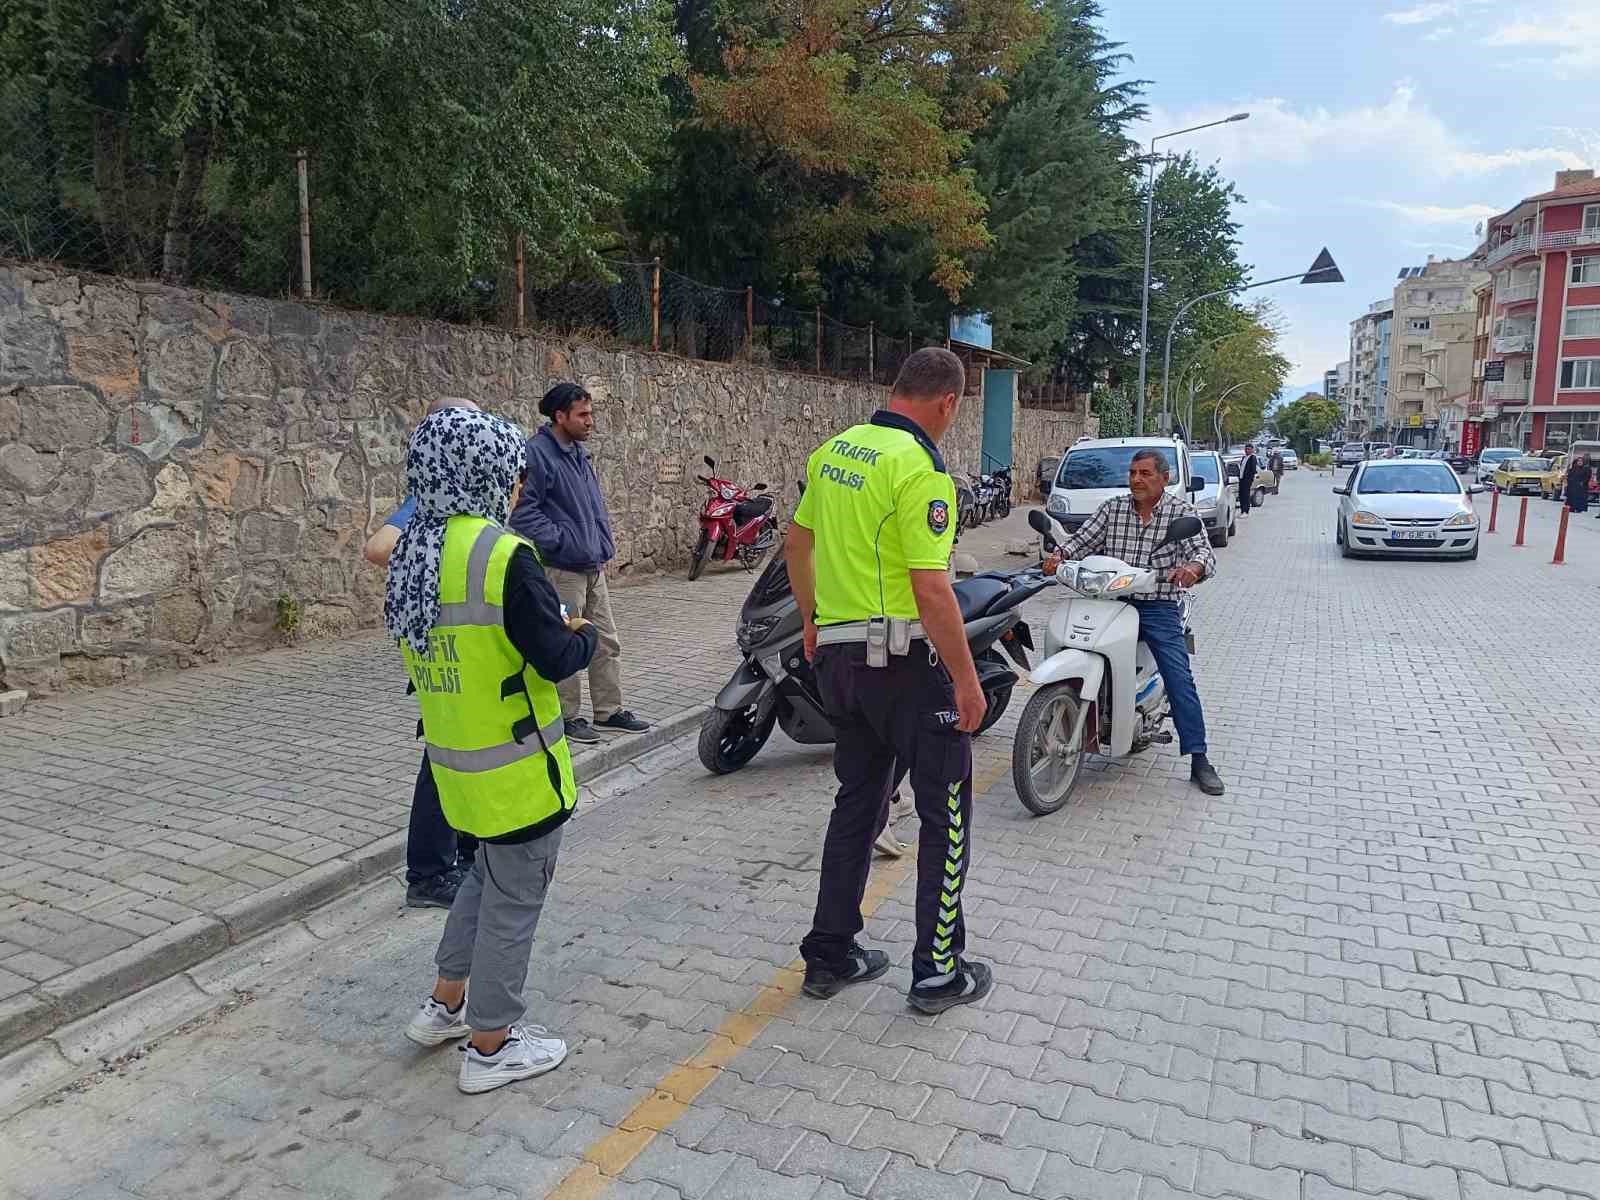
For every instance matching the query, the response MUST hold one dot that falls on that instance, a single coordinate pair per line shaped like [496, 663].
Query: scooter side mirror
[710, 462]
[1182, 529]
[760, 487]
[1039, 522]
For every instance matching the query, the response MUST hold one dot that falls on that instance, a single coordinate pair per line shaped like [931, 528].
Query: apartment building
[1430, 355]
[1540, 380]
[1366, 389]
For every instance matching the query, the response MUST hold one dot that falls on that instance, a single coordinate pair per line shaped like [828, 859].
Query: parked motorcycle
[1000, 480]
[1098, 687]
[966, 504]
[775, 685]
[735, 523]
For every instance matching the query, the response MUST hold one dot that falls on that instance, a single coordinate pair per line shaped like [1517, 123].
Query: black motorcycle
[775, 685]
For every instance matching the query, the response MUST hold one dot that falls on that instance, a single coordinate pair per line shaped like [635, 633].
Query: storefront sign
[1495, 369]
[1414, 420]
[1471, 438]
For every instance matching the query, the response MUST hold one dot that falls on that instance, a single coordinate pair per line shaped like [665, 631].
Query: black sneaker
[579, 730]
[972, 982]
[439, 891]
[1204, 776]
[861, 965]
[623, 721]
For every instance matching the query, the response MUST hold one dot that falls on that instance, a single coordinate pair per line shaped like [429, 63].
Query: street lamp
[1322, 270]
[1216, 413]
[1188, 422]
[1149, 220]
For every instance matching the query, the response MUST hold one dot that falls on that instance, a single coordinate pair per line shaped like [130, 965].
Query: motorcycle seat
[976, 594]
[747, 510]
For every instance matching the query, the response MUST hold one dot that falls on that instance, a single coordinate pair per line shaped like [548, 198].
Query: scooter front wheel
[1047, 756]
[697, 561]
[729, 740]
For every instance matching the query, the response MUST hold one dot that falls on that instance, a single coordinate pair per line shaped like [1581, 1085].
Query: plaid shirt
[1115, 529]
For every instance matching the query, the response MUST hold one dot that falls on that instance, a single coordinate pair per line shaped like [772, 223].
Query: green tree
[1305, 420]
[1057, 170]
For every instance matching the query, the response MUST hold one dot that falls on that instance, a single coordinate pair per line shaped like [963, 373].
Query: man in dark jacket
[561, 511]
[1247, 479]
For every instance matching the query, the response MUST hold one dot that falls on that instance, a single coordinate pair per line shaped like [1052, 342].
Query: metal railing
[1517, 245]
[1506, 391]
[1517, 292]
[1514, 343]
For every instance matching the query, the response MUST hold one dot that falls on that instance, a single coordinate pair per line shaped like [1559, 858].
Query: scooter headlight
[729, 493]
[753, 633]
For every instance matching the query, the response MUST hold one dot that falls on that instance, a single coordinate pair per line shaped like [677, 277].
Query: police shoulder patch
[938, 516]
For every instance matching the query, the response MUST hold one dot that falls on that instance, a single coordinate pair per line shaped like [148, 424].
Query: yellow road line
[608, 1157]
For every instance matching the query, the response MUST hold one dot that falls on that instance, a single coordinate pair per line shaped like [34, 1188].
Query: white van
[1096, 469]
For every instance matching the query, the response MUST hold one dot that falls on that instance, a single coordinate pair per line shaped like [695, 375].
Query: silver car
[1216, 504]
[1406, 507]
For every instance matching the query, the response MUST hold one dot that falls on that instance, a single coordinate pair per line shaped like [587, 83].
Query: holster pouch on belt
[877, 641]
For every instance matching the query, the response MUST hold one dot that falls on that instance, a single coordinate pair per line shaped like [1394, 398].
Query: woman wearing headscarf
[1578, 484]
[484, 642]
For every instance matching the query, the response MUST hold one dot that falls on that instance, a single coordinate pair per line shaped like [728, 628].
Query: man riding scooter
[1130, 528]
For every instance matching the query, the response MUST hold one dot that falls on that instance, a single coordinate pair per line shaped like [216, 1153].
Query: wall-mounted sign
[972, 328]
[1494, 369]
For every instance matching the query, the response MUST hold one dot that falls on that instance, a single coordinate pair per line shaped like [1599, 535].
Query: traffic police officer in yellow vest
[869, 556]
[485, 641]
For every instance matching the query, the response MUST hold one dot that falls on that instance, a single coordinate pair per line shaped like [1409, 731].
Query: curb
[33, 1015]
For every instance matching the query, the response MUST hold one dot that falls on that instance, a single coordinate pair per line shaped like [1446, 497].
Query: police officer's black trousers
[903, 711]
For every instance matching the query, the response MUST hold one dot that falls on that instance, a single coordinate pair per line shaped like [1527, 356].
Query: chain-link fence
[96, 190]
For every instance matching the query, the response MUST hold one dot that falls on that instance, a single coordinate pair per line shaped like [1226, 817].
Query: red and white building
[1539, 329]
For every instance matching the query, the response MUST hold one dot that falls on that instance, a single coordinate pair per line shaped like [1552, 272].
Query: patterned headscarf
[461, 462]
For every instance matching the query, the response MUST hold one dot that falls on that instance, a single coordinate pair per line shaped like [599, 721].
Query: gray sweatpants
[488, 935]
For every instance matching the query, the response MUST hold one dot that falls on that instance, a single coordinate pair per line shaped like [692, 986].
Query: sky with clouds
[1383, 129]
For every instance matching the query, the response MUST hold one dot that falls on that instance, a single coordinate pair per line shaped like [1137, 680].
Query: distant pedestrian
[484, 643]
[1247, 479]
[438, 857]
[563, 513]
[1578, 484]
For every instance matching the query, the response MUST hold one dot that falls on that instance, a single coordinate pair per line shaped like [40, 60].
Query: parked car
[1554, 484]
[1349, 454]
[1291, 460]
[1095, 470]
[1458, 461]
[1515, 475]
[1380, 449]
[1492, 458]
[1406, 507]
[1217, 503]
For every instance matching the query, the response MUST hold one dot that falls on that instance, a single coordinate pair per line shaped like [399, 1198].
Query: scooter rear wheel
[1044, 766]
[729, 740]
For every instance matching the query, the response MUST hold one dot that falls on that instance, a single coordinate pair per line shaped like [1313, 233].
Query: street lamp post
[1188, 423]
[1149, 224]
[1322, 270]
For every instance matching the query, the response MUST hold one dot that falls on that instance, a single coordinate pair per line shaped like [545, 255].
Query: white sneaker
[901, 807]
[434, 1024]
[525, 1054]
[888, 845]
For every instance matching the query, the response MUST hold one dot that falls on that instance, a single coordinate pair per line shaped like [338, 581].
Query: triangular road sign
[1324, 270]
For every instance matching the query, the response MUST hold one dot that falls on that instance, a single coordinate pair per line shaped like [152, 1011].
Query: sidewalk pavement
[149, 826]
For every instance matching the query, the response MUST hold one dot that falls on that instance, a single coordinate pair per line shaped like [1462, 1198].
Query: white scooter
[1098, 687]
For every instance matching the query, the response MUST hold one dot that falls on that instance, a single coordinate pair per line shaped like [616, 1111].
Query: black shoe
[439, 891]
[623, 721]
[972, 982]
[579, 730]
[861, 965]
[1204, 775]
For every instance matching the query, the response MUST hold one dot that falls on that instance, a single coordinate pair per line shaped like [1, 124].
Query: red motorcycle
[735, 523]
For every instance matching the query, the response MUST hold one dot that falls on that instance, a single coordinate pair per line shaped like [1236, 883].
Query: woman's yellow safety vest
[492, 724]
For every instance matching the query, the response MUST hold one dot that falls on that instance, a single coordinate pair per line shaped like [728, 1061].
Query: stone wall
[174, 463]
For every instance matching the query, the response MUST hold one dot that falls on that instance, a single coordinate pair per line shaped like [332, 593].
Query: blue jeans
[1161, 628]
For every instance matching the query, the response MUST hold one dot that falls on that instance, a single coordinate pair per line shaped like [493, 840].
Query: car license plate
[1415, 535]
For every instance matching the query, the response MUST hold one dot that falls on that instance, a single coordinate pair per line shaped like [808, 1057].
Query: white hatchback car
[1406, 507]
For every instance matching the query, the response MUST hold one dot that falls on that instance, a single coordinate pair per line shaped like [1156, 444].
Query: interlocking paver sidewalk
[153, 819]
